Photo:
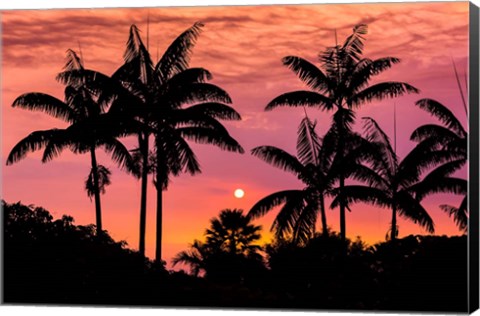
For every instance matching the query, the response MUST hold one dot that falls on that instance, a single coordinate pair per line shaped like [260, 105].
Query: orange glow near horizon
[242, 47]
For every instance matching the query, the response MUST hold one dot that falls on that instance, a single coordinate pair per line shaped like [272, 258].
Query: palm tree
[234, 233]
[231, 234]
[164, 88]
[316, 167]
[452, 137]
[90, 127]
[390, 182]
[342, 83]
[196, 257]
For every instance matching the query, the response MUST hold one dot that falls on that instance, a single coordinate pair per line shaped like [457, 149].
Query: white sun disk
[239, 193]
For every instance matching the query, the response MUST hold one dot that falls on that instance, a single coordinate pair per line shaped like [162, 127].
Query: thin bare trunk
[98, 208]
[394, 222]
[159, 186]
[143, 198]
[324, 217]
[342, 210]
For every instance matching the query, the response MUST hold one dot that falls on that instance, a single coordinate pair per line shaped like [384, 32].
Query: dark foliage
[49, 261]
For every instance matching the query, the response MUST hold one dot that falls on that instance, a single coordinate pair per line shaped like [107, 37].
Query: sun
[239, 193]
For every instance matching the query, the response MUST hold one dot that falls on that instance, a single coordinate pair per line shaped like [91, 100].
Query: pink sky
[242, 47]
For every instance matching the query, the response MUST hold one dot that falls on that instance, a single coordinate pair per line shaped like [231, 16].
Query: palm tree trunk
[342, 210]
[143, 141]
[324, 217]
[98, 208]
[159, 186]
[394, 222]
[341, 149]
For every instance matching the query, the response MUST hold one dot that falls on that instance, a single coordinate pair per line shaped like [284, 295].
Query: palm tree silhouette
[232, 233]
[341, 84]
[450, 138]
[196, 257]
[390, 182]
[317, 167]
[164, 88]
[90, 127]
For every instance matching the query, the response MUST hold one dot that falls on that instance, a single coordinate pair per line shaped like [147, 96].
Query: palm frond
[195, 93]
[308, 142]
[411, 209]
[381, 91]
[275, 199]
[48, 104]
[215, 110]
[103, 174]
[441, 112]
[459, 214]
[210, 136]
[33, 142]
[279, 158]
[435, 182]
[440, 134]
[353, 45]
[137, 54]
[288, 217]
[73, 61]
[189, 76]
[358, 193]
[375, 134]
[304, 228]
[366, 68]
[300, 98]
[419, 160]
[120, 154]
[177, 56]
[311, 75]
[177, 154]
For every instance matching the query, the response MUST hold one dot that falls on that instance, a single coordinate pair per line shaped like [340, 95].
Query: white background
[82, 311]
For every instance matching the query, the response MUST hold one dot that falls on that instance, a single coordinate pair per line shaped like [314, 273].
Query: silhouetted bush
[51, 261]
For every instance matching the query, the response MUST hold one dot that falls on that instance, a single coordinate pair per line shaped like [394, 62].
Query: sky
[242, 47]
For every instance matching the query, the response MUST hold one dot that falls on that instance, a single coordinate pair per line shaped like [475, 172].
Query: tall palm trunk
[394, 222]
[324, 217]
[342, 210]
[159, 186]
[341, 150]
[98, 208]
[143, 141]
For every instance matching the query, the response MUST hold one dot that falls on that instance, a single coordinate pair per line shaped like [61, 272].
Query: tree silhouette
[233, 232]
[318, 166]
[164, 88]
[229, 249]
[341, 84]
[390, 182]
[450, 137]
[89, 127]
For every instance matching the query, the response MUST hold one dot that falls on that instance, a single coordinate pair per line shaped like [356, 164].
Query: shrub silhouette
[49, 261]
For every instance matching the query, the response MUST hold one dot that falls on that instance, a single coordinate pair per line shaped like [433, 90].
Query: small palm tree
[231, 235]
[341, 84]
[196, 257]
[90, 128]
[313, 166]
[451, 137]
[234, 233]
[390, 182]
